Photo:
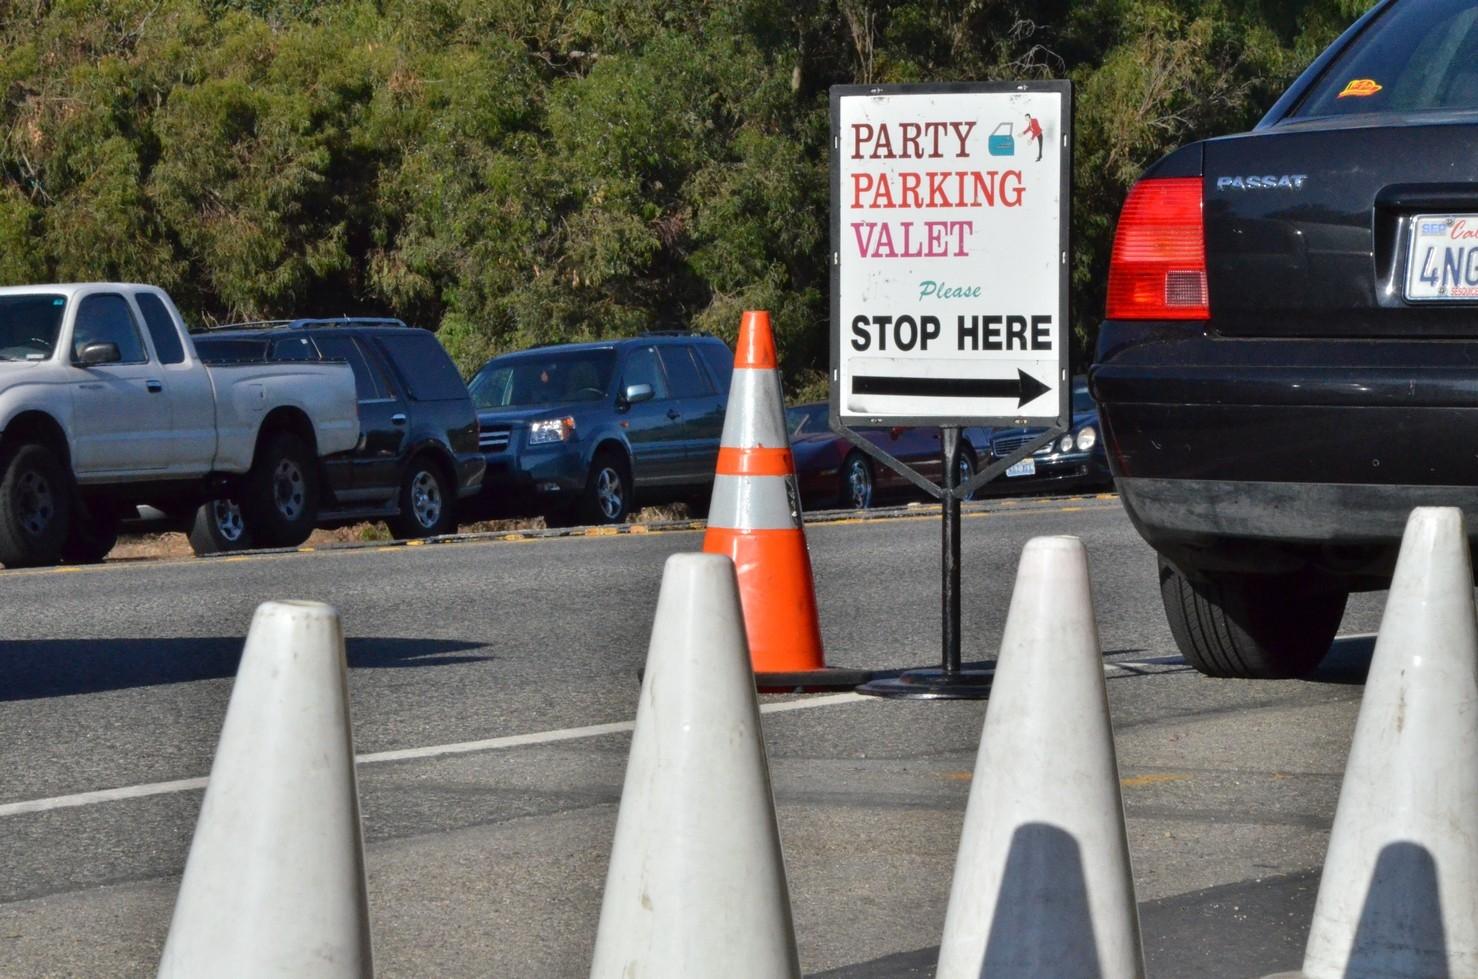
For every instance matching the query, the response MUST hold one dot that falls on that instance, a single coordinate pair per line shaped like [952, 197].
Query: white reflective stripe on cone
[756, 413]
[755, 503]
[1399, 894]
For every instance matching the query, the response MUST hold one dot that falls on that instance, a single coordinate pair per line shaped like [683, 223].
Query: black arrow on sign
[1024, 388]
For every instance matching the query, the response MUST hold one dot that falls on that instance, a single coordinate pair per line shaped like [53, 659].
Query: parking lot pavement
[512, 666]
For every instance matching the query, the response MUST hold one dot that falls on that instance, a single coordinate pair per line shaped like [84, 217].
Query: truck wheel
[91, 534]
[426, 507]
[279, 498]
[35, 506]
[218, 526]
[607, 496]
[1249, 626]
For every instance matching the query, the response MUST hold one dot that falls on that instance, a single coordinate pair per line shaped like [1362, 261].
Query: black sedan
[1075, 461]
[1289, 361]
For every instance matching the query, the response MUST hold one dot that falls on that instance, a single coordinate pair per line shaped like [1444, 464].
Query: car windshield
[29, 326]
[1418, 57]
[543, 377]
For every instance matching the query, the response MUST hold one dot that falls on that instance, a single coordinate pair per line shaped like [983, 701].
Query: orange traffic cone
[755, 519]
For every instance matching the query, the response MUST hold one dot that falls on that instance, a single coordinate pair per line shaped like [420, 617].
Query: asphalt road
[491, 862]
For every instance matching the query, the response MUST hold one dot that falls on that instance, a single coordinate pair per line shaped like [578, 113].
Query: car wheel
[857, 486]
[425, 503]
[35, 507]
[279, 498]
[1250, 626]
[91, 535]
[218, 526]
[607, 496]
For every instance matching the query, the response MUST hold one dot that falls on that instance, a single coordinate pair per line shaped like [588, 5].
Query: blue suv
[581, 432]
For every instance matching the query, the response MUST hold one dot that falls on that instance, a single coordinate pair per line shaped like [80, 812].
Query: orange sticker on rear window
[1361, 88]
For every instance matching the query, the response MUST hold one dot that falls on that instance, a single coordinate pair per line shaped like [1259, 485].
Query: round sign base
[932, 684]
[811, 681]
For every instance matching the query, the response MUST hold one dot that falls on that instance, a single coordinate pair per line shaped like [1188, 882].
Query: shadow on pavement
[31, 669]
[1348, 661]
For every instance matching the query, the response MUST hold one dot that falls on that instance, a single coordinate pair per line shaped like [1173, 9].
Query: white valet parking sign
[950, 208]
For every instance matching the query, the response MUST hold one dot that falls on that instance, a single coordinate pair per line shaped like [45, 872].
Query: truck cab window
[105, 318]
[161, 329]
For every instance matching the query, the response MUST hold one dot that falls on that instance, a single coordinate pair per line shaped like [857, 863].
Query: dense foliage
[517, 171]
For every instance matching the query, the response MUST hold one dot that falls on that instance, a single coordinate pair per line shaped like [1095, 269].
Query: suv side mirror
[99, 353]
[636, 393]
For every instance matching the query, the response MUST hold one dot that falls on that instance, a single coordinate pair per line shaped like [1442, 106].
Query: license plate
[1442, 264]
[1026, 467]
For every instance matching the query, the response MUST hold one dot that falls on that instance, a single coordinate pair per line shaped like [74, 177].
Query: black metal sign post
[949, 230]
[952, 681]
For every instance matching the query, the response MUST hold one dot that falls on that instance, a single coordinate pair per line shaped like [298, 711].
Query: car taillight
[1158, 267]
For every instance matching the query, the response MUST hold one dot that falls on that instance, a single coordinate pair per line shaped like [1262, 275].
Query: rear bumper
[1258, 455]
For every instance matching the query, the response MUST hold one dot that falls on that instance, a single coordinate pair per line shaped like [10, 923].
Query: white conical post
[1042, 884]
[274, 887]
[1399, 894]
[696, 885]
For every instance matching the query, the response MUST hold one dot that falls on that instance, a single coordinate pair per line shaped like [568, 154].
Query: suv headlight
[551, 430]
[1087, 438]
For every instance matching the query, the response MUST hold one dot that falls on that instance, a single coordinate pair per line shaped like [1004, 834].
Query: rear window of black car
[423, 364]
[230, 350]
[1416, 58]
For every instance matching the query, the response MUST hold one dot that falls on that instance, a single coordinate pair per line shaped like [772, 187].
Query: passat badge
[1284, 181]
[1360, 88]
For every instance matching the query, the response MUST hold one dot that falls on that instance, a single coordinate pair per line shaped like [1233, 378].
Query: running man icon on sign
[1033, 131]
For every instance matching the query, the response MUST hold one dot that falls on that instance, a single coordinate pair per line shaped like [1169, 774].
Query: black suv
[579, 432]
[417, 452]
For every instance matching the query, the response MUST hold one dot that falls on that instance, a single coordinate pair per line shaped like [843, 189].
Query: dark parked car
[832, 472]
[582, 432]
[417, 453]
[1074, 461]
[1287, 364]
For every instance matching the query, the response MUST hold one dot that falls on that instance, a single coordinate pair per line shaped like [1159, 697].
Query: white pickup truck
[104, 405]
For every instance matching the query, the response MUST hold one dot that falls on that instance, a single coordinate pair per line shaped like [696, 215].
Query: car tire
[218, 526]
[1252, 627]
[607, 495]
[35, 506]
[856, 488]
[426, 502]
[91, 534]
[279, 497]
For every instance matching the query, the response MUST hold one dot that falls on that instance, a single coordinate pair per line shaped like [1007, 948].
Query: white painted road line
[499, 744]
[404, 754]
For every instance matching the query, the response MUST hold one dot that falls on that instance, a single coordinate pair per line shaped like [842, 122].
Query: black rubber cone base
[932, 684]
[811, 681]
